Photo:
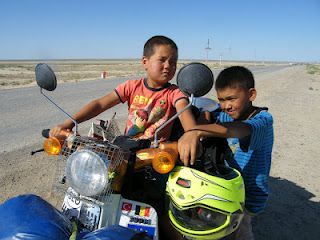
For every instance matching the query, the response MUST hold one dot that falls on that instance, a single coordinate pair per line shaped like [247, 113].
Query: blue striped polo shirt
[252, 157]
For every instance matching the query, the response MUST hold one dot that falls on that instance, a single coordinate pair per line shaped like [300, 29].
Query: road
[24, 112]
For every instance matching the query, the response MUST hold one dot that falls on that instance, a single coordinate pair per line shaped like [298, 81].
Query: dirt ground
[293, 209]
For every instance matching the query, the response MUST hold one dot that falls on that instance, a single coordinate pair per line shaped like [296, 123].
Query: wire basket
[111, 155]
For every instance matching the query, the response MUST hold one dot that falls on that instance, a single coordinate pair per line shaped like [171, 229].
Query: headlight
[87, 172]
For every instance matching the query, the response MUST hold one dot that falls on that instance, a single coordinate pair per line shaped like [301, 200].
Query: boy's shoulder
[143, 83]
[132, 83]
[260, 112]
[260, 109]
[262, 119]
[135, 81]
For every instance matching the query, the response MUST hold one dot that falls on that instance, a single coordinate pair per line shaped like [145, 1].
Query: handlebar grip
[45, 133]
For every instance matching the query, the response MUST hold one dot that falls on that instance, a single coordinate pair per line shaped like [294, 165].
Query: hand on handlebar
[68, 124]
[189, 147]
[57, 130]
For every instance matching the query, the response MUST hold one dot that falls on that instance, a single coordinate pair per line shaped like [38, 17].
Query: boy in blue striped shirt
[249, 132]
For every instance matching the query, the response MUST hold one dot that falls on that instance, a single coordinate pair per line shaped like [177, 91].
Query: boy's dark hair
[235, 76]
[148, 49]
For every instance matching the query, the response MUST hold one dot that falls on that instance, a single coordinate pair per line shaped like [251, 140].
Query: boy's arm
[186, 118]
[91, 110]
[189, 142]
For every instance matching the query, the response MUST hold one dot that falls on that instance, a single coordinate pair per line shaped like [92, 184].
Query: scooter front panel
[139, 216]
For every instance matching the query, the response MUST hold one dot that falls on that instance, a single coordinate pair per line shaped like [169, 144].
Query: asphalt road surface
[24, 112]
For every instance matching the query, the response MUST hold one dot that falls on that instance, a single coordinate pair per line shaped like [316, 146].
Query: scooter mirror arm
[61, 110]
[155, 142]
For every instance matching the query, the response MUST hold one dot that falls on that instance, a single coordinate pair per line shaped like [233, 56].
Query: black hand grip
[45, 133]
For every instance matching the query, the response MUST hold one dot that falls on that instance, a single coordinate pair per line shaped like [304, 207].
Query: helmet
[204, 206]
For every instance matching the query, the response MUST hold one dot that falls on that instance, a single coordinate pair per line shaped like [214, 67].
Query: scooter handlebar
[45, 133]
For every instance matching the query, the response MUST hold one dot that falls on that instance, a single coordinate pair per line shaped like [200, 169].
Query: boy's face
[161, 66]
[236, 102]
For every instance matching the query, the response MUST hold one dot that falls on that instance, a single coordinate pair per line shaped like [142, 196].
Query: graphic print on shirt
[233, 144]
[140, 118]
[147, 116]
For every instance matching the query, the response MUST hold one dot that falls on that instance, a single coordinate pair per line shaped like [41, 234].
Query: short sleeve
[124, 90]
[176, 95]
[261, 124]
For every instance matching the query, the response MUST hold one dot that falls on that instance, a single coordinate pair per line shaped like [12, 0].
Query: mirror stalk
[74, 121]
[155, 142]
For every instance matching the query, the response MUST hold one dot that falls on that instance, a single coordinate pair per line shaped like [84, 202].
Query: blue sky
[269, 30]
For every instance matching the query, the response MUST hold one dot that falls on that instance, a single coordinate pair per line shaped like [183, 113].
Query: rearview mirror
[195, 78]
[45, 77]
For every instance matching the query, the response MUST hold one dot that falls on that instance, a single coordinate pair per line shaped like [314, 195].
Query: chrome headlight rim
[87, 172]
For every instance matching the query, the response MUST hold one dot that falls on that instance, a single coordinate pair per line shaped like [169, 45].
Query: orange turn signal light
[52, 146]
[164, 161]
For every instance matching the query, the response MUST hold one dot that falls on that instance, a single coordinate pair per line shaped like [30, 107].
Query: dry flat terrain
[17, 74]
[292, 95]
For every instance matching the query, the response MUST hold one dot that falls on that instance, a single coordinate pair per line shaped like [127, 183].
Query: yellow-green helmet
[204, 206]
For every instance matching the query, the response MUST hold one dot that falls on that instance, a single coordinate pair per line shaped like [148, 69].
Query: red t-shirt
[148, 108]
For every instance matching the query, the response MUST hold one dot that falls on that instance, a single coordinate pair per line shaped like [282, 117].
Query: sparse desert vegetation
[20, 73]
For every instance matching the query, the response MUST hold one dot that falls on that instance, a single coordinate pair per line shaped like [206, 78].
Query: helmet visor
[198, 218]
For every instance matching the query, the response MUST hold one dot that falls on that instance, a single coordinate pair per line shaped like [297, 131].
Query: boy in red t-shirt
[151, 101]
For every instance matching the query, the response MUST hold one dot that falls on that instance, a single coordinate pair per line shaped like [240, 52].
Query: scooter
[95, 172]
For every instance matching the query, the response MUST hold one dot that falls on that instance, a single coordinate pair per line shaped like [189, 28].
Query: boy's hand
[55, 131]
[189, 147]
[68, 124]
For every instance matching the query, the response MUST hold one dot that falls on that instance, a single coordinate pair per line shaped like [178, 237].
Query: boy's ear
[252, 94]
[144, 62]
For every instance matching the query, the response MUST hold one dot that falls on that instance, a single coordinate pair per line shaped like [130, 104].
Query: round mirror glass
[195, 78]
[45, 77]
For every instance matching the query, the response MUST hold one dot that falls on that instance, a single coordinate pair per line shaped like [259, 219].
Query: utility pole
[208, 48]
[229, 51]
